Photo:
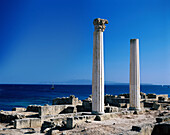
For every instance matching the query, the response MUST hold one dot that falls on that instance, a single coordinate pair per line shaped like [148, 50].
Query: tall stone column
[134, 75]
[98, 67]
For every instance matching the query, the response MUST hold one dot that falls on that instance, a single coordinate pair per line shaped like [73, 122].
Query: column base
[97, 113]
[135, 109]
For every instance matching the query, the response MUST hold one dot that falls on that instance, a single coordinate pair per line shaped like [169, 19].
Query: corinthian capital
[99, 24]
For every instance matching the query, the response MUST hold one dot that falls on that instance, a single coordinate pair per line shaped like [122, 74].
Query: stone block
[70, 109]
[22, 123]
[51, 110]
[70, 123]
[19, 109]
[7, 117]
[87, 105]
[33, 108]
[58, 120]
[162, 97]
[136, 128]
[143, 95]
[47, 125]
[72, 100]
[80, 108]
[112, 101]
[105, 116]
[110, 109]
[35, 122]
[163, 119]
[156, 106]
[27, 123]
[151, 96]
[55, 132]
[148, 104]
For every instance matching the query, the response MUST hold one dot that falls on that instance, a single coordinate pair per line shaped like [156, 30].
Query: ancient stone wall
[72, 100]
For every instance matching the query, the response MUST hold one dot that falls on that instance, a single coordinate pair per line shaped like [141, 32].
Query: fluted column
[98, 67]
[134, 75]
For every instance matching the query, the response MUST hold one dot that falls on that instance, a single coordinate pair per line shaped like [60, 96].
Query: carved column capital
[99, 24]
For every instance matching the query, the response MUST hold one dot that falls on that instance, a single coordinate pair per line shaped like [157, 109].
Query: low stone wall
[7, 117]
[106, 116]
[72, 100]
[33, 108]
[27, 123]
[163, 97]
[19, 109]
[56, 109]
[73, 121]
[112, 101]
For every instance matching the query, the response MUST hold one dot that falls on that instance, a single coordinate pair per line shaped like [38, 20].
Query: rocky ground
[121, 125]
[116, 126]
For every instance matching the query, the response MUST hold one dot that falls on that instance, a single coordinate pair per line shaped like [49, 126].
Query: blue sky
[45, 41]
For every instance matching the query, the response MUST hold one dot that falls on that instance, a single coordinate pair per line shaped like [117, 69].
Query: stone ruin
[73, 111]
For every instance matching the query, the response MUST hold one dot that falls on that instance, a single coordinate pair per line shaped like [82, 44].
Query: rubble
[54, 119]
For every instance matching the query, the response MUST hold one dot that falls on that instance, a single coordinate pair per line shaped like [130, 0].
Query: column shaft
[134, 75]
[98, 73]
[98, 67]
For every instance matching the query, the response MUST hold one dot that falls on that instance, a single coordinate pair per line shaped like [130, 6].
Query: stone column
[98, 67]
[134, 75]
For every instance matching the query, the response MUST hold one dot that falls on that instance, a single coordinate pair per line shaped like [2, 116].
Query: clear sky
[44, 41]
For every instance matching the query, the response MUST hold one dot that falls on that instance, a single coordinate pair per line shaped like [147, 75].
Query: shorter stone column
[134, 75]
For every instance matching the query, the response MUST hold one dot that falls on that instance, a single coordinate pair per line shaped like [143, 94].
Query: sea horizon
[22, 95]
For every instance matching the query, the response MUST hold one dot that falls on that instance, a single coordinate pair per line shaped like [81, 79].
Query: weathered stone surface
[73, 121]
[143, 95]
[145, 129]
[8, 116]
[47, 125]
[72, 100]
[58, 120]
[163, 119]
[55, 132]
[110, 109]
[105, 116]
[87, 105]
[55, 109]
[134, 84]
[19, 109]
[162, 97]
[35, 122]
[70, 109]
[157, 106]
[151, 96]
[22, 123]
[113, 101]
[33, 108]
[27, 123]
[70, 123]
[148, 104]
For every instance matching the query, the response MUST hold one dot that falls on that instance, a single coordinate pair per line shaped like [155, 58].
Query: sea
[17, 95]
